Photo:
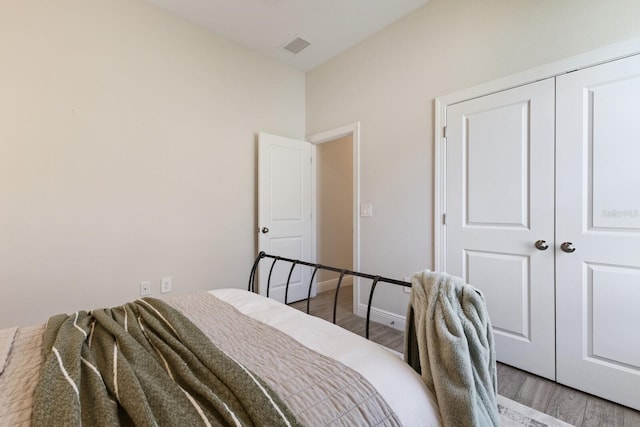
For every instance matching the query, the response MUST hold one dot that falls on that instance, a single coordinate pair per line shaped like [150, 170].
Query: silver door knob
[542, 245]
[567, 247]
[265, 230]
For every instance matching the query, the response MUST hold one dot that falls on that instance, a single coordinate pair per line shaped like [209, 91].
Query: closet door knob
[567, 247]
[265, 230]
[542, 245]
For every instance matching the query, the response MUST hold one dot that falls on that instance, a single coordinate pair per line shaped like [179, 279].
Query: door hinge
[444, 219]
[444, 131]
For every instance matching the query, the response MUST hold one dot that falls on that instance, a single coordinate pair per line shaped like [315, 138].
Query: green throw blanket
[450, 342]
[145, 364]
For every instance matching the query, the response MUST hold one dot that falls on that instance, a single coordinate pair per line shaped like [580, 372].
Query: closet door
[598, 213]
[499, 203]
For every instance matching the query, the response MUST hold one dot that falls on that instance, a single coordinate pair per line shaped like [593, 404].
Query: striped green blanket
[145, 364]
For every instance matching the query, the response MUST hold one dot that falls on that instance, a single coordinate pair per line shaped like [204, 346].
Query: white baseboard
[387, 318]
[330, 285]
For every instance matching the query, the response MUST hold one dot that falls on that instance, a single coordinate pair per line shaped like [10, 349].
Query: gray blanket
[450, 342]
[318, 390]
[142, 364]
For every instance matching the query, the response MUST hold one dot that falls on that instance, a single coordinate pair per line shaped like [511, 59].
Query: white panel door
[499, 202]
[284, 213]
[598, 212]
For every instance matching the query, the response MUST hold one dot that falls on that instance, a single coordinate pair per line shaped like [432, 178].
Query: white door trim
[352, 129]
[574, 63]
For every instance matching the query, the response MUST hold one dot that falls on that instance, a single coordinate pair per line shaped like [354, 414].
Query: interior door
[598, 213]
[499, 203]
[284, 213]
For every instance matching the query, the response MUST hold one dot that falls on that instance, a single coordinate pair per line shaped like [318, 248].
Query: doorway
[334, 196]
[336, 224]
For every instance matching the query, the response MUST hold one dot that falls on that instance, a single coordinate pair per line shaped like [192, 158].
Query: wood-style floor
[567, 404]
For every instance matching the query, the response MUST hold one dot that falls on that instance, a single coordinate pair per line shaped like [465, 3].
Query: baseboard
[330, 285]
[387, 318]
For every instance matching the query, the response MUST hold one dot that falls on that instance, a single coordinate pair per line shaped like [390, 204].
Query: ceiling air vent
[296, 45]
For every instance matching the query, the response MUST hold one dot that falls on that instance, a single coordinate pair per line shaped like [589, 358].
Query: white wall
[389, 82]
[127, 152]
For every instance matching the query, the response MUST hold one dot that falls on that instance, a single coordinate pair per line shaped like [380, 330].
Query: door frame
[352, 129]
[589, 59]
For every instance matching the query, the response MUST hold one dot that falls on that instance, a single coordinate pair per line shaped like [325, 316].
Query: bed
[323, 374]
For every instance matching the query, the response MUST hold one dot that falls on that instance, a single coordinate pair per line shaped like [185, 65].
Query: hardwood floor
[572, 406]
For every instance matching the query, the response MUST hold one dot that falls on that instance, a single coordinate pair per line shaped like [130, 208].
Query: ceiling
[331, 26]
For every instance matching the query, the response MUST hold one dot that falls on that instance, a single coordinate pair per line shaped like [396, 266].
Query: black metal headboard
[316, 267]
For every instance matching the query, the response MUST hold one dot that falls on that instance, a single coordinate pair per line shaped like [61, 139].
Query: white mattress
[399, 385]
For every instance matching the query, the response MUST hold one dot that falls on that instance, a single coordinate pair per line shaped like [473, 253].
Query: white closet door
[598, 211]
[499, 202]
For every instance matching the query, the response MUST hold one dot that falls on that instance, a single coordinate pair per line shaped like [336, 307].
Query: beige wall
[127, 152]
[335, 205]
[389, 82]
[127, 136]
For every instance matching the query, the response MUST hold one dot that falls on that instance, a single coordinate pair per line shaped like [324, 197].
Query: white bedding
[399, 385]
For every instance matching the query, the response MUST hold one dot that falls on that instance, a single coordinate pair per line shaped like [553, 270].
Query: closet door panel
[598, 211]
[615, 146]
[512, 320]
[497, 161]
[614, 302]
[499, 202]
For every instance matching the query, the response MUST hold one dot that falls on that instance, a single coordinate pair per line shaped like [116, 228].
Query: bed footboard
[343, 272]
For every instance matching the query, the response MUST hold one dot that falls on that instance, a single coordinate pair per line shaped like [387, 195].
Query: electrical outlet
[166, 285]
[145, 288]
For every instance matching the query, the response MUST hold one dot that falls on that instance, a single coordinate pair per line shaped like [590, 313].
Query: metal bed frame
[316, 267]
